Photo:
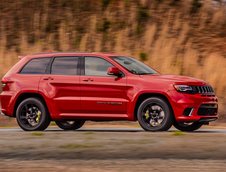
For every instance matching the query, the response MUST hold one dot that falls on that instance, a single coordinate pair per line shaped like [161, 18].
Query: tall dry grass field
[173, 36]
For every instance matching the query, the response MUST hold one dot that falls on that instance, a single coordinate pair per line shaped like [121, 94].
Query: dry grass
[76, 146]
[178, 133]
[39, 134]
[175, 41]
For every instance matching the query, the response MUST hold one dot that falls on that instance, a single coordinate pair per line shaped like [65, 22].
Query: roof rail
[57, 52]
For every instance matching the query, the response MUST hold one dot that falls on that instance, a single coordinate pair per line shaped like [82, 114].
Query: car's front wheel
[154, 114]
[70, 125]
[32, 115]
[187, 126]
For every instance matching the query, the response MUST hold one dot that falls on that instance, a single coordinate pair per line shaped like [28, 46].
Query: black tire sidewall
[168, 120]
[44, 120]
[192, 127]
[76, 125]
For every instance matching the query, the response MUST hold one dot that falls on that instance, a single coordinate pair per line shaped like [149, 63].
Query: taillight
[5, 85]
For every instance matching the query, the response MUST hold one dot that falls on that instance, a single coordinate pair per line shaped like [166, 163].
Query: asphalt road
[115, 129]
[113, 148]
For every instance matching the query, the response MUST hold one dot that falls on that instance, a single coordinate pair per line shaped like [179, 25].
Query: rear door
[102, 95]
[62, 86]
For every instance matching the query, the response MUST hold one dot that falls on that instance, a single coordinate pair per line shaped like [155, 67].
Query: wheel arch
[144, 96]
[26, 95]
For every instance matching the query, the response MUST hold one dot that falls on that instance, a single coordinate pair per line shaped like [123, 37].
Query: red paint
[99, 97]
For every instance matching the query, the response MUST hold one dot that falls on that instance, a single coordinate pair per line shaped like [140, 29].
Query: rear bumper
[1, 113]
[194, 107]
[6, 107]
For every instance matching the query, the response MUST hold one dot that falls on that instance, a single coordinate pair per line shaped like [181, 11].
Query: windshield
[134, 66]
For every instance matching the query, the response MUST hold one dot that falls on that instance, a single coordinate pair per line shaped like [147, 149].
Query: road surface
[115, 129]
[112, 149]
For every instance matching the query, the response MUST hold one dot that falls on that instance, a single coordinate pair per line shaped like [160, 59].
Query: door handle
[87, 80]
[48, 78]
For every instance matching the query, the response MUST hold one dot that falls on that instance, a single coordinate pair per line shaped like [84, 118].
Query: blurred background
[186, 37]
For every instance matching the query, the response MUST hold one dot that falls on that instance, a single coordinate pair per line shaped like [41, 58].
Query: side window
[65, 66]
[95, 66]
[36, 66]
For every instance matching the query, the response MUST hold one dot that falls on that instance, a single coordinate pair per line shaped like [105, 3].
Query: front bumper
[194, 107]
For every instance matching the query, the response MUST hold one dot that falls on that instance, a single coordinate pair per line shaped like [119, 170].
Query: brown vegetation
[174, 36]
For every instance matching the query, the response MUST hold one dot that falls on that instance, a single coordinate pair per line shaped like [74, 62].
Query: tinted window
[36, 66]
[65, 66]
[95, 66]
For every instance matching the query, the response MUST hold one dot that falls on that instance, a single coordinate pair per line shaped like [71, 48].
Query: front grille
[208, 110]
[206, 89]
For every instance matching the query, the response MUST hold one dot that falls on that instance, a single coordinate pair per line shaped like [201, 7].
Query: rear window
[65, 66]
[36, 66]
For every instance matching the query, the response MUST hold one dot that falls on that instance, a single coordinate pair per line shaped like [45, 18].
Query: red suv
[70, 88]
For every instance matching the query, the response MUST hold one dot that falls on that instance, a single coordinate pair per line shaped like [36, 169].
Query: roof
[50, 54]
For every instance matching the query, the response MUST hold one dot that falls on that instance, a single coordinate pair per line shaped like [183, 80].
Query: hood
[178, 79]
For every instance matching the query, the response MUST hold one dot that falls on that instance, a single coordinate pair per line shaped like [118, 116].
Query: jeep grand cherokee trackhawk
[70, 88]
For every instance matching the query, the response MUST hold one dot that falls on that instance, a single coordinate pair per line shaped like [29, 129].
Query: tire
[153, 111]
[188, 126]
[32, 115]
[70, 125]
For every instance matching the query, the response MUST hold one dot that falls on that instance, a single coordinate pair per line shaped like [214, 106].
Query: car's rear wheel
[32, 115]
[187, 126]
[70, 125]
[154, 114]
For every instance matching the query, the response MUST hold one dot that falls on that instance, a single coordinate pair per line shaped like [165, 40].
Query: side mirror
[114, 71]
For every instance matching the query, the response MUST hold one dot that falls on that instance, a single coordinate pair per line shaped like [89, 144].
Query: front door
[102, 95]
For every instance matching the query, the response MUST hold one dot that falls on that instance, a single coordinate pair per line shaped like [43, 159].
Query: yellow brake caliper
[38, 116]
[146, 114]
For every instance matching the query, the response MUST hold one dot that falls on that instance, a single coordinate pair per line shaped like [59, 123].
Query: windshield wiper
[145, 73]
[134, 72]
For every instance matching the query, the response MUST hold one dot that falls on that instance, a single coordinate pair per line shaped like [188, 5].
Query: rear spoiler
[20, 57]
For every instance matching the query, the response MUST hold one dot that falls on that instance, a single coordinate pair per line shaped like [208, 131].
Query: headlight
[184, 88]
